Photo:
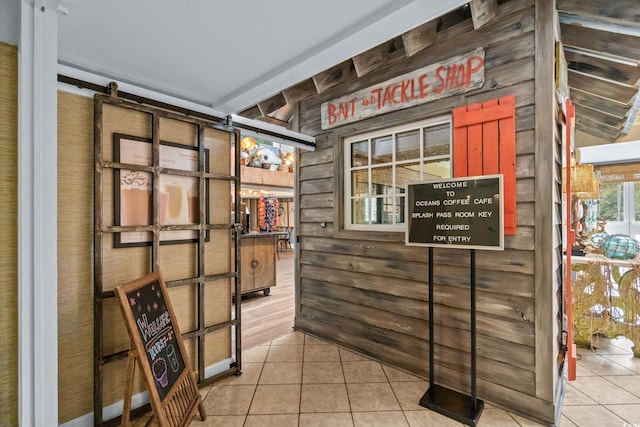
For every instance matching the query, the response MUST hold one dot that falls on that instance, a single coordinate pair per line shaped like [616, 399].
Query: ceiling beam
[604, 69]
[589, 39]
[420, 38]
[334, 76]
[383, 54]
[605, 89]
[598, 103]
[483, 11]
[624, 13]
[599, 116]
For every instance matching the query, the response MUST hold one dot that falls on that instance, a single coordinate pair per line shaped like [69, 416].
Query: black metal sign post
[456, 213]
[453, 404]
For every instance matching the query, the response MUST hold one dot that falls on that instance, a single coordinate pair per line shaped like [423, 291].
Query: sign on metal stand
[464, 213]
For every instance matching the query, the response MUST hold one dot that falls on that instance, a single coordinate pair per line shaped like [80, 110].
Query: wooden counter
[258, 262]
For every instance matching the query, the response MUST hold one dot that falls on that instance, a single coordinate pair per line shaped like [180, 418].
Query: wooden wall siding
[547, 283]
[368, 291]
[9, 234]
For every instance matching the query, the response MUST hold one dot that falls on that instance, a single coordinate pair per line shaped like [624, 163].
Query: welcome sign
[453, 76]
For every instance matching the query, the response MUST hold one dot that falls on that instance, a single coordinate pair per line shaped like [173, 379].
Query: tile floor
[299, 380]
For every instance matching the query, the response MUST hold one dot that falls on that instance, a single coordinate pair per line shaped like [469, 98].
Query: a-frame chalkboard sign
[158, 349]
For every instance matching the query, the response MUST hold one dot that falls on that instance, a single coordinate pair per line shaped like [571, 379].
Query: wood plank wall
[368, 291]
[9, 234]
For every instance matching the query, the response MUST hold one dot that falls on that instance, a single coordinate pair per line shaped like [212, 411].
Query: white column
[37, 181]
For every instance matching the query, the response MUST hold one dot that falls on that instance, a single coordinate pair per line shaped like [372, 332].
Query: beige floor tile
[573, 396]
[366, 397]
[250, 375]
[427, 418]
[607, 346]
[324, 398]
[379, 419]
[220, 421]
[326, 420]
[626, 361]
[311, 340]
[603, 391]
[566, 422]
[281, 373]
[285, 353]
[276, 399]
[294, 338]
[350, 356]
[365, 371]
[525, 422]
[223, 400]
[583, 371]
[321, 353]
[396, 375]
[256, 354]
[272, 420]
[630, 384]
[410, 393]
[322, 373]
[602, 366]
[496, 418]
[592, 416]
[630, 413]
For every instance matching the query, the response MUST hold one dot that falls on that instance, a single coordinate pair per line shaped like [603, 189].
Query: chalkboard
[158, 349]
[459, 212]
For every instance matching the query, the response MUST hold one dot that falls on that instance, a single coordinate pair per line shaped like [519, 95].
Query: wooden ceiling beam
[270, 105]
[252, 112]
[283, 113]
[381, 55]
[599, 116]
[618, 72]
[483, 11]
[300, 91]
[334, 76]
[605, 89]
[598, 103]
[598, 41]
[420, 38]
[607, 133]
[618, 12]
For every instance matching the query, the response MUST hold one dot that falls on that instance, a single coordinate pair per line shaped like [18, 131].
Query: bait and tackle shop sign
[453, 76]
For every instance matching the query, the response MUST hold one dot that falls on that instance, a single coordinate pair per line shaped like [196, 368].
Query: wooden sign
[459, 212]
[159, 351]
[456, 75]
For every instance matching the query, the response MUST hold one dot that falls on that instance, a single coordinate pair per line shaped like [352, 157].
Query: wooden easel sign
[158, 349]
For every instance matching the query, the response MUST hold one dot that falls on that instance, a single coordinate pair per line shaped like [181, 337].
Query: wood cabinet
[257, 262]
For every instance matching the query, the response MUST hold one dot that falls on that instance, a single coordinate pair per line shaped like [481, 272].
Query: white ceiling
[228, 55]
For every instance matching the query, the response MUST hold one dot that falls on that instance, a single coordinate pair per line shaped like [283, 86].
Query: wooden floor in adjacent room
[266, 318]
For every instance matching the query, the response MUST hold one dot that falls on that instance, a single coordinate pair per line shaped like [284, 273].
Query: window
[619, 206]
[379, 165]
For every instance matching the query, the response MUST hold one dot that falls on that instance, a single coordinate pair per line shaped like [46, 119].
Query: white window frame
[347, 169]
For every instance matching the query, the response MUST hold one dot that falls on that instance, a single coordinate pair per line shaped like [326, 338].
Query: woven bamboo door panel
[484, 143]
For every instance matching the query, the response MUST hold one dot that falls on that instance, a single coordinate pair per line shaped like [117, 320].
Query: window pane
[359, 211]
[382, 179]
[436, 140]
[360, 182]
[359, 154]
[381, 150]
[405, 173]
[612, 201]
[408, 145]
[400, 210]
[437, 169]
[636, 199]
[385, 210]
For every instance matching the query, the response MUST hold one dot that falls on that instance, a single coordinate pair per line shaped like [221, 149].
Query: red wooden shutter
[484, 143]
